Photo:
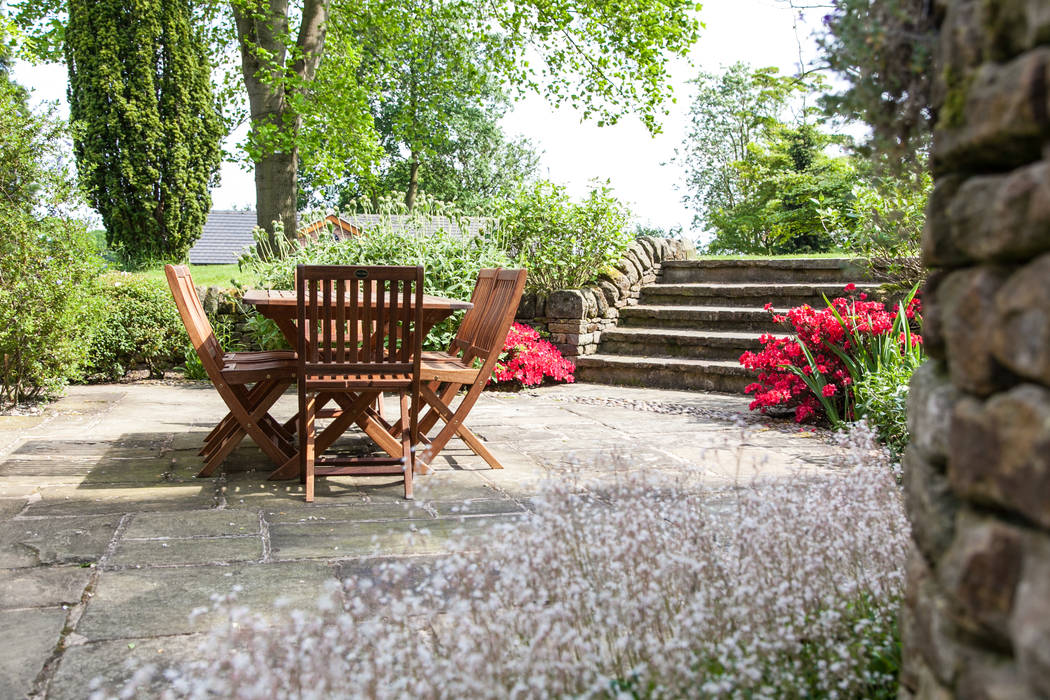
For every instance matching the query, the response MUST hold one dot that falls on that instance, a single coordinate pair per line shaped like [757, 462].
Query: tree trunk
[413, 183]
[262, 25]
[276, 187]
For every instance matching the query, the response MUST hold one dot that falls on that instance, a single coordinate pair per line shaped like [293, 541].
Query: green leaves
[146, 126]
[564, 244]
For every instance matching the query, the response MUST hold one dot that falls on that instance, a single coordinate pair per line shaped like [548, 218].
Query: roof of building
[226, 235]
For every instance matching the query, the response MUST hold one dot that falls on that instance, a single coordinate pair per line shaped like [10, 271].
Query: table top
[285, 298]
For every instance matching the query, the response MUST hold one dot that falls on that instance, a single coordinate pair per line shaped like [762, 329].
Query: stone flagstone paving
[108, 541]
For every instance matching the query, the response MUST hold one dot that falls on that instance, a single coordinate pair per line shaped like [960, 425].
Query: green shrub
[564, 244]
[138, 325]
[47, 260]
[48, 273]
[451, 260]
[881, 398]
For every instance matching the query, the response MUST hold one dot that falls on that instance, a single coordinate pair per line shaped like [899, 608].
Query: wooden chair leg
[406, 446]
[306, 451]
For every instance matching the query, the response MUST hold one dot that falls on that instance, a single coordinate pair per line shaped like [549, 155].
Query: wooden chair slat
[230, 373]
[385, 308]
[496, 297]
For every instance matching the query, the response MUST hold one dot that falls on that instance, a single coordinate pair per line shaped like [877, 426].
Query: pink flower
[829, 390]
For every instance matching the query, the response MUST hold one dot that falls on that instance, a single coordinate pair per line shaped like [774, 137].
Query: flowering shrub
[528, 358]
[638, 584]
[833, 348]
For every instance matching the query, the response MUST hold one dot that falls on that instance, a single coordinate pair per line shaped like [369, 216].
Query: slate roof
[473, 224]
[227, 234]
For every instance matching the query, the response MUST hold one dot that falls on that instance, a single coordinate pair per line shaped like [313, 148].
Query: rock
[1030, 624]
[1014, 26]
[932, 327]
[610, 291]
[996, 119]
[617, 279]
[630, 268]
[1003, 217]
[1000, 451]
[566, 303]
[600, 302]
[1022, 335]
[967, 313]
[980, 573]
[931, 396]
[930, 503]
[933, 635]
[527, 307]
[643, 257]
[651, 248]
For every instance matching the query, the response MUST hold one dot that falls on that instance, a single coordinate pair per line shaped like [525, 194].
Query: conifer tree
[147, 130]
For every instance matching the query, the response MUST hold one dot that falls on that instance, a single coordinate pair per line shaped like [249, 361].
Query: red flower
[850, 288]
[829, 390]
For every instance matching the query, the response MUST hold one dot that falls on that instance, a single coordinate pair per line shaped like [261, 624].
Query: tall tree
[435, 103]
[728, 116]
[608, 58]
[147, 131]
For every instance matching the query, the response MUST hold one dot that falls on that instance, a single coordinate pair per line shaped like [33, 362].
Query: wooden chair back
[471, 323]
[195, 320]
[359, 320]
[496, 297]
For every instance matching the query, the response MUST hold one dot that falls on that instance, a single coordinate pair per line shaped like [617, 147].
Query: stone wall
[575, 318]
[976, 620]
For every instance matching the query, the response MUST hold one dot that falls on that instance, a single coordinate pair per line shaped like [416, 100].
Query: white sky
[759, 32]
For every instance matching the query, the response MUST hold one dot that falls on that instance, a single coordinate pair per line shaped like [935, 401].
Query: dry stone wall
[976, 619]
[576, 318]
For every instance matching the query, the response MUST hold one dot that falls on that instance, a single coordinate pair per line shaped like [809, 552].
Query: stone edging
[576, 318]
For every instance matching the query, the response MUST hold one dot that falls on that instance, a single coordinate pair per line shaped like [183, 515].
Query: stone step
[701, 318]
[781, 295]
[664, 372]
[764, 270]
[679, 342]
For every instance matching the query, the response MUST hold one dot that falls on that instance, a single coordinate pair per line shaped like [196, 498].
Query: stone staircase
[690, 327]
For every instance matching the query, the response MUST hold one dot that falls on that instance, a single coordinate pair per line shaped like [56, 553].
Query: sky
[576, 152]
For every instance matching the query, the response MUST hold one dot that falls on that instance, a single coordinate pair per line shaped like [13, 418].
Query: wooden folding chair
[268, 373]
[469, 361]
[359, 335]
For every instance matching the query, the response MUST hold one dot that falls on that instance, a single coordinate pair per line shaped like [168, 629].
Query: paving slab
[191, 523]
[42, 587]
[366, 539]
[156, 602]
[110, 663]
[195, 550]
[27, 638]
[72, 500]
[45, 541]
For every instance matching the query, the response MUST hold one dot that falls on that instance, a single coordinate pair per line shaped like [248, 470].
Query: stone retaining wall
[976, 620]
[576, 318]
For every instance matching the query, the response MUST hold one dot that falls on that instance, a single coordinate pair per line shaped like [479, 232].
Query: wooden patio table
[279, 306]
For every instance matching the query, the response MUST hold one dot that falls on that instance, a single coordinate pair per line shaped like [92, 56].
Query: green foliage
[891, 214]
[138, 325]
[564, 244]
[146, 128]
[434, 101]
[882, 399]
[452, 260]
[758, 176]
[47, 260]
[264, 333]
[792, 183]
[883, 50]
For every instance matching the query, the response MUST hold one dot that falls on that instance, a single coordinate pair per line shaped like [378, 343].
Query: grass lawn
[205, 275]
